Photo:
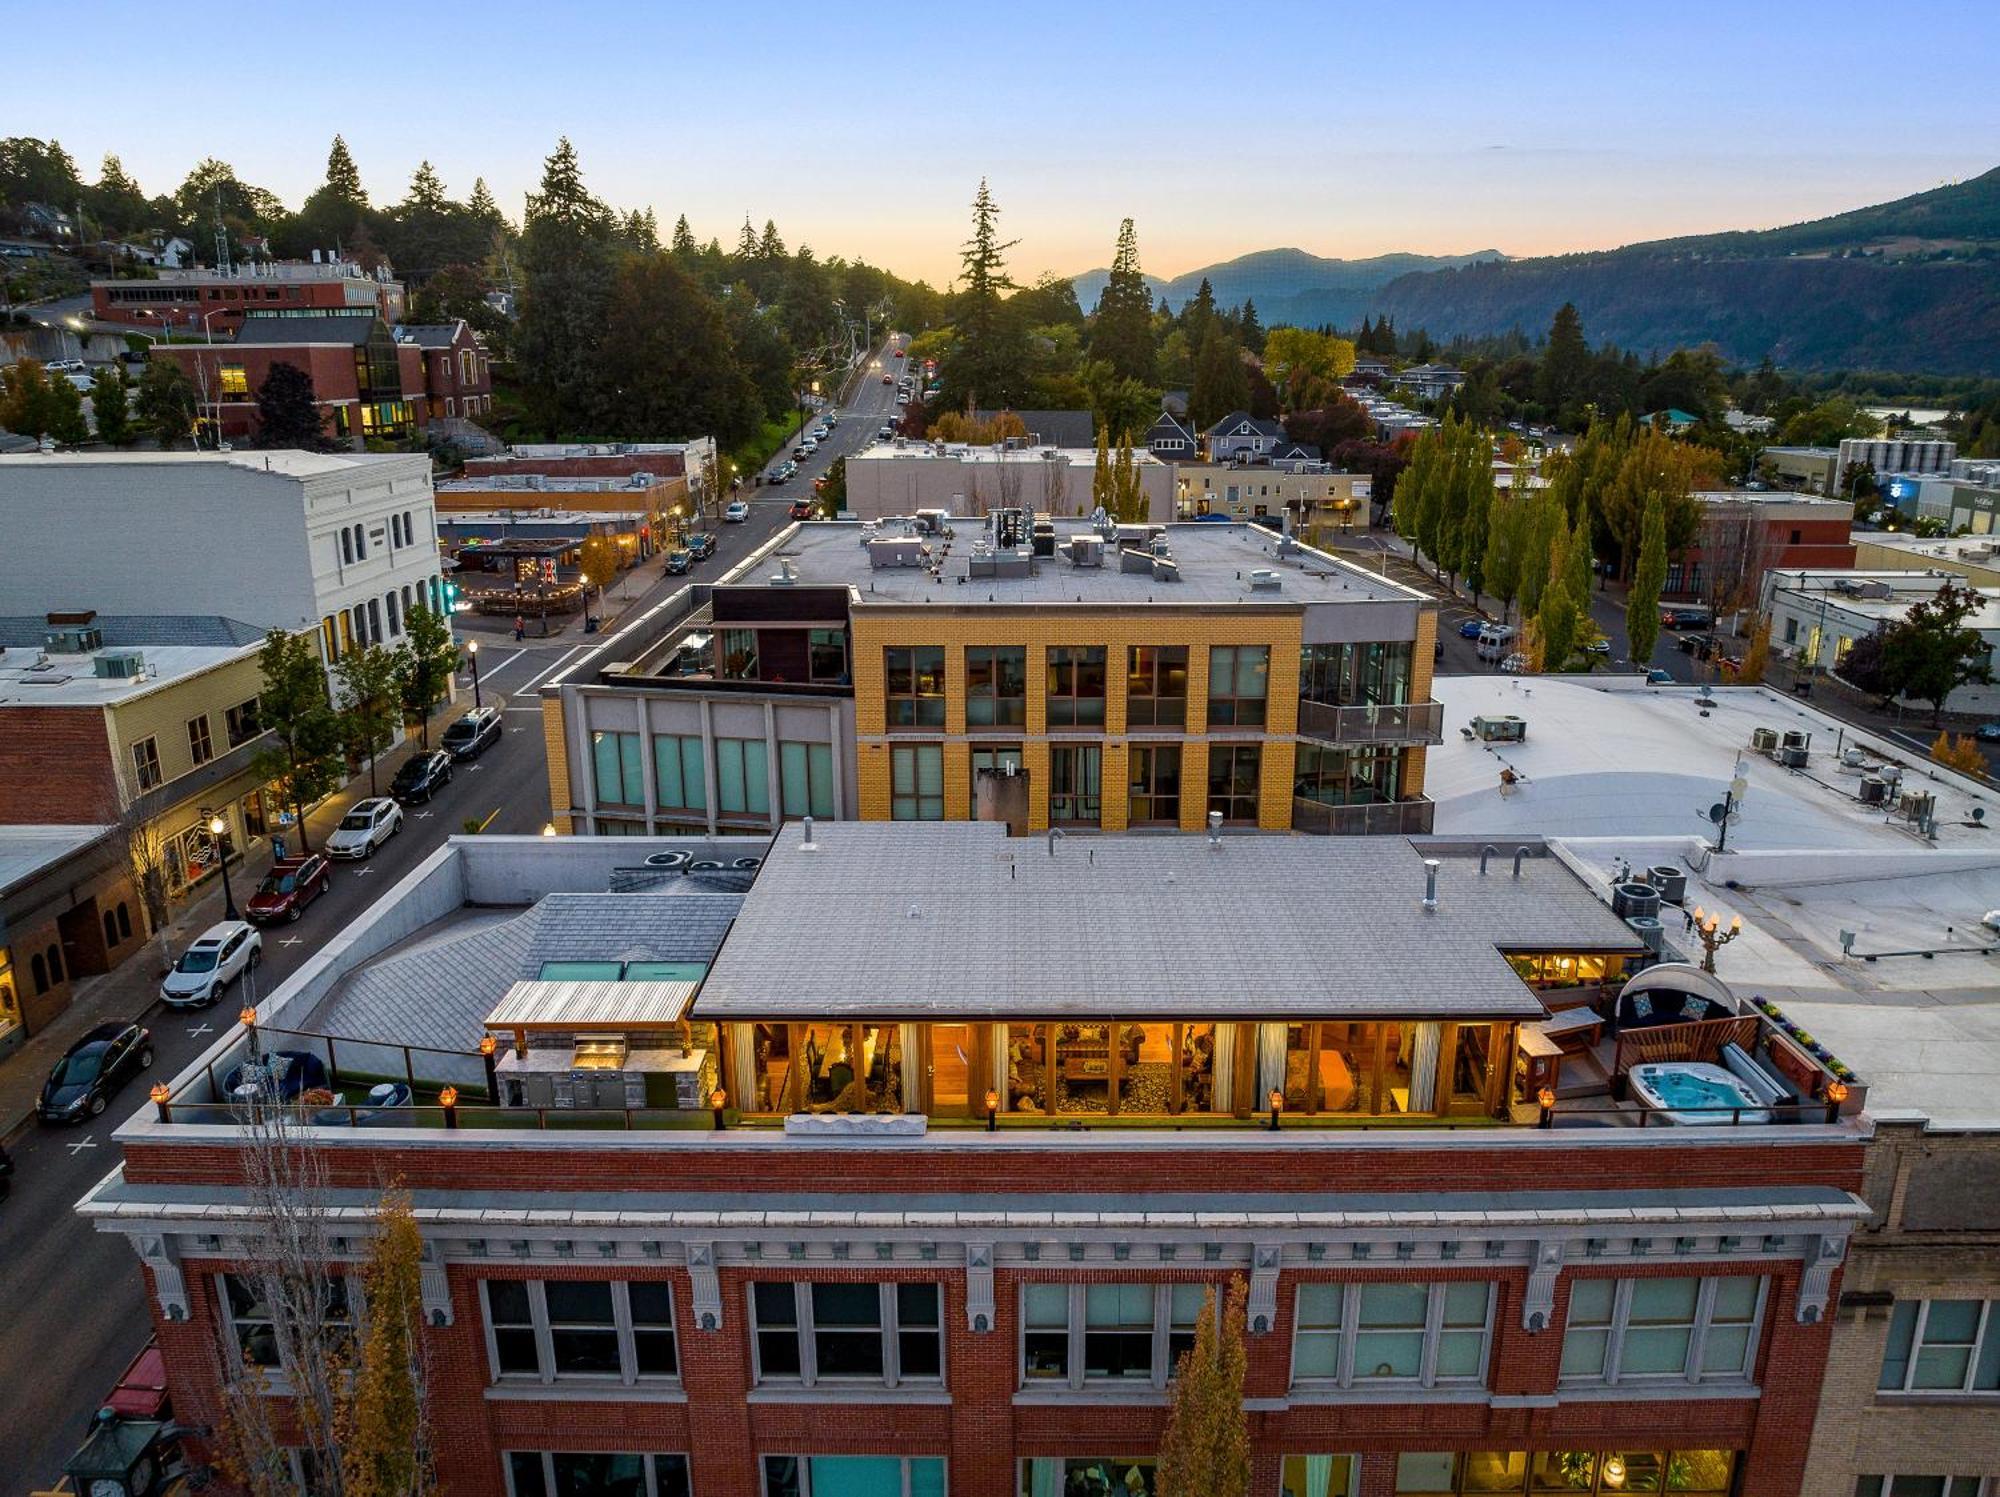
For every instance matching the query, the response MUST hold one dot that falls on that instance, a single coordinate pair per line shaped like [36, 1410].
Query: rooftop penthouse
[980, 981]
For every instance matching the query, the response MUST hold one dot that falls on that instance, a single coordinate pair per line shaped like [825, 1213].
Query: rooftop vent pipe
[1430, 886]
[807, 844]
[1055, 832]
[1215, 829]
[1519, 853]
[1490, 851]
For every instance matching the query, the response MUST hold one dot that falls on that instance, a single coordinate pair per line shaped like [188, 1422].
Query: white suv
[219, 955]
[365, 827]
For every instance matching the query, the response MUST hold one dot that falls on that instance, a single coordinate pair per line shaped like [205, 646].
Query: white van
[1496, 641]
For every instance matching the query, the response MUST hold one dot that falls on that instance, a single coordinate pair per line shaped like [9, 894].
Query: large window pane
[1659, 1327]
[596, 1475]
[916, 782]
[1045, 1334]
[847, 1329]
[1118, 1330]
[996, 685]
[915, 686]
[581, 1333]
[742, 783]
[1074, 783]
[1389, 1335]
[1945, 1353]
[1076, 676]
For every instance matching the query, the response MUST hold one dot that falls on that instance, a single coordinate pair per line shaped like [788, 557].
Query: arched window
[39, 970]
[55, 964]
[124, 922]
[110, 929]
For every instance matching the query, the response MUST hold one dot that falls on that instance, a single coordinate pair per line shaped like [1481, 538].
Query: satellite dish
[1719, 812]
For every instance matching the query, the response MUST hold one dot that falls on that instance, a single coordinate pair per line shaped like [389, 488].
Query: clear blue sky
[1342, 128]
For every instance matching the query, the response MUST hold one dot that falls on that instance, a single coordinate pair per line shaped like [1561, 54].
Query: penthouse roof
[940, 919]
[1215, 562]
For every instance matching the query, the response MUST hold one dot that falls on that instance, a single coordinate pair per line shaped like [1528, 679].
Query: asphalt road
[874, 404]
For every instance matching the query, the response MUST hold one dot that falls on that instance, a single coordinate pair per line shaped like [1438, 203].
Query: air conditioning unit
[120, 665]
[1763, 740]
[74, 639]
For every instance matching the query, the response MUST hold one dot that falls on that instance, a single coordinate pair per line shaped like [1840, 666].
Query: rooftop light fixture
[992, 1111]
[162, 1095]
[1277, 1106]
[717, 1101]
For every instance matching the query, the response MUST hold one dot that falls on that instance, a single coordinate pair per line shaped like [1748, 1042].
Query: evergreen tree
[1642, 604]
[287, 409]
[482, 207]
[1102, 495]
[1122, 332]
[119, 204]
[108, 403]
[683, 238]
[667, 362]
[1562, 383]
[988, 367]
[342, 177]
[566, 252]
[1249, 329]
[1199, 314]
[426, 191]
[746, 242]
[770, 246]
[1221, 384]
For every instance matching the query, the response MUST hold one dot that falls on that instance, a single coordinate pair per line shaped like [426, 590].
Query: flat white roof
[33, 678]
[291, 463]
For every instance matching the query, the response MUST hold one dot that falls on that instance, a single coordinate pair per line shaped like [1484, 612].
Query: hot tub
[1695, 1092]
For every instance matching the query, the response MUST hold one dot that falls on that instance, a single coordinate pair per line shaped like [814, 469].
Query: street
[75, 1308]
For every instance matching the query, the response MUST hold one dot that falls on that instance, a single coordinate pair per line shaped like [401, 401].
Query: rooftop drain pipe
[1519, 853]
[1055, 832]
[806, 844]
[1490, 851]
[1215, 829]
[1431, 866]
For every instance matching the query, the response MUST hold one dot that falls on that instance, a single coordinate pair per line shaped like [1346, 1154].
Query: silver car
[365, 827]
[219, 955]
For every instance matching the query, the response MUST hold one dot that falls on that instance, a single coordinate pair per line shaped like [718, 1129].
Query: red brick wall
[55, 766]
[982, 1432]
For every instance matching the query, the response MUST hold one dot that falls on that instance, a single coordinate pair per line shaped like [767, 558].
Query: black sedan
[421, 778]
[96, 1066]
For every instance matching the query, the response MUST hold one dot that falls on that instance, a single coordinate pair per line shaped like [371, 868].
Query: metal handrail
[1404, 722]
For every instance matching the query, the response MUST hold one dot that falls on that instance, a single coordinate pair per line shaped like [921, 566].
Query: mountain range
[1911, 285]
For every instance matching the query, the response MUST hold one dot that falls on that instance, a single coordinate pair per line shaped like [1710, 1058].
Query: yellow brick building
[1144, 679]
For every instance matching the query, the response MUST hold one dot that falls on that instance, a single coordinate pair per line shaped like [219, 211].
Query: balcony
[1410, 722]
[1379, 818]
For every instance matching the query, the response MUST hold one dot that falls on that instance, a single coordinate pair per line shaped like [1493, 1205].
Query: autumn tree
[1205, 1451]
[424, 665]
[387, 1449]
[1306, 366]
[1507, 558]
[599, 563]
[1961, 753]
[1757, 657]
[1642, 603]
[1932, 651]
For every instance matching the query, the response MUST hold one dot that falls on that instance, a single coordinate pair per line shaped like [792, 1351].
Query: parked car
[1658, 677]
[702, 544]
[277, 1075]
[736, 513]
[885, 431]
[365, 827]
[219, 955]
[1598, 646]
[291, 885]
[801, 509]
[679, 561]
[421, 778]
[888, 379]
[1987, 732]
[1495, 641]
[474, 733]
[801, 451]
[1470, 628]
[92, 1069]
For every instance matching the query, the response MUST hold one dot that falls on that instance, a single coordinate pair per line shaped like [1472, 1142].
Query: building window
[556, 1473]
[1239, 681]
[553, 1330]
[1942, 1346]
[996, 686]
[1354, 1334]
[1156, 686]
[1316, 1476]
[1366, 775]
[847, 1332]
[678, 777]
[252, 1322]
[742, 777]
[739, 654]
[805, 778]
[1076, 687]
[360, 543]
[1074, 1334]
[239, 723]
[395, 622]
[235, 383]
[916, 782]
[826, 655]
[992, 756]
[395, 531]
[854, 1476]
[409, 533]
[375, 621]
[1918, 1486]
[1636, 1330]
[915, 686]
[1075, 776]
[1156, 784]
[200, 748]
[146, 763]
[1233, 772]
[1563, 1473]
[616, 756]
[1117, 1475]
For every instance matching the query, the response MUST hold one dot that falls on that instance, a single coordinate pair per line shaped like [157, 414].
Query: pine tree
[566, 254]
[1250, 329]
[1221, 384]
[1199, 314]
[1101, 493]
[987, 367]
[342, 179]
[770, 246]
[426, 194]
[1205, 1451]
[1563, 379]
[1642, 604]
[683, 238]
[746, 242]
[481, 205]
[1122, 333]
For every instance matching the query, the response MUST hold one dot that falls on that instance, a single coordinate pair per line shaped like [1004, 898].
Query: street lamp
[216, 827]
[472, 655]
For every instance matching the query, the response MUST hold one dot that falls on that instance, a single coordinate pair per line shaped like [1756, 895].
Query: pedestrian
[520, 627]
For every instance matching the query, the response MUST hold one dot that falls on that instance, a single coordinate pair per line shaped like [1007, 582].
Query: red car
[888, 379]
[899, 353]
[291, 885]
[801, 509]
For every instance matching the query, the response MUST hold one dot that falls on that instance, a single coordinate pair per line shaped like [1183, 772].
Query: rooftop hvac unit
[1874, 790]
[1634, 898]
[1647, 929]
[895, 551]
[74, 639]
[120, 665]
[1134, 559]
[1763, 740]
[1913, 805]
[1795, 739]
[1791, 758]
[1670, 880]
[1086, 551]
[1264, 580]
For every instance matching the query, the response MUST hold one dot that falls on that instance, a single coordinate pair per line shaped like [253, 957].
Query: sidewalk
[131, 990]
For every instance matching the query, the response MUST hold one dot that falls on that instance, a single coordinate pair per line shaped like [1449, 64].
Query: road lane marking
[422, 816]
[363, 872]
[493, 670]
[489, 818]
[80, 1145]
[560, 663]
[291, 940]
[199, 1030]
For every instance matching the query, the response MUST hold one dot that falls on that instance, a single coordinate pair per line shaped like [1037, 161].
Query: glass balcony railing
[1410, 722]
[1379, 818]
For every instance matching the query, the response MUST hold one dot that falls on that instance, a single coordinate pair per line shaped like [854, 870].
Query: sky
[1340, 128]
